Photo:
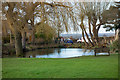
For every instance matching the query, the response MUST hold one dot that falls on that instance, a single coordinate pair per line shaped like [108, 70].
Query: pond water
[61, 53]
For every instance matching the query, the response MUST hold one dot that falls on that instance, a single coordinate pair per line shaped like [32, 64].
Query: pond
[61, 53]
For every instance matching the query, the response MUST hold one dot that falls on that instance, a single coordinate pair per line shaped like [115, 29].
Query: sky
[102, 30]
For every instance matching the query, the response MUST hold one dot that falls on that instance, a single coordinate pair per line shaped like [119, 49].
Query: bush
[6, 39]
[115, 46]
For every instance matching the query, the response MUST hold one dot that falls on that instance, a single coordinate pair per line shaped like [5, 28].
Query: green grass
[83, 67]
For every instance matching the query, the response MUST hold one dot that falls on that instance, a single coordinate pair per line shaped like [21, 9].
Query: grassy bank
[83, 67]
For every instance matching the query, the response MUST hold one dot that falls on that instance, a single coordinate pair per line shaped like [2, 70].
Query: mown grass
[83, 67]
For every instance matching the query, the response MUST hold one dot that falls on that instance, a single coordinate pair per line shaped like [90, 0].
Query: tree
[12, 18]
[113, 23]
[113, 19]
[18, 15]
[43, 30]
[92, 12]
[81, 15]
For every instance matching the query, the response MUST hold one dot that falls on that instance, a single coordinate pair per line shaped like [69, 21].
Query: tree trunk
[18, 44]
[33, 37]
[83, 29]
[33, 27]
[11, 37]
[24, 40]
[58, 37]
[91, 35]
[81, 26]
[117, 35]
[58, 33]
[84, 38]
[95, 34]
[88, 37]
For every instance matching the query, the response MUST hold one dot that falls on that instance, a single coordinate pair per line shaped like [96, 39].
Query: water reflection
[87, 52]
[36, 53]
[60, 53]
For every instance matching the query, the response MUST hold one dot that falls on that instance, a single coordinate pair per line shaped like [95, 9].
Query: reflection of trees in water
[89, 51]
[59, 51]
[39, 52]
[33, 55]
[86, 51]
[56, 51]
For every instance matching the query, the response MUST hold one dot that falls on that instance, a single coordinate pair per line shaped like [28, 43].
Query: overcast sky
[102, 30]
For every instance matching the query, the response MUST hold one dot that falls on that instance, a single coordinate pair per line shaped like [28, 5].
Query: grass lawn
[83, 67]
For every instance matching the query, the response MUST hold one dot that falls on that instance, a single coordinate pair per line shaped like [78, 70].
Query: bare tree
[18, 15]
[92, 11]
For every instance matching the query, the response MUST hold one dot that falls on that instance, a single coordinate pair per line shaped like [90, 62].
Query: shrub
[115, 46]
[6, 39]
